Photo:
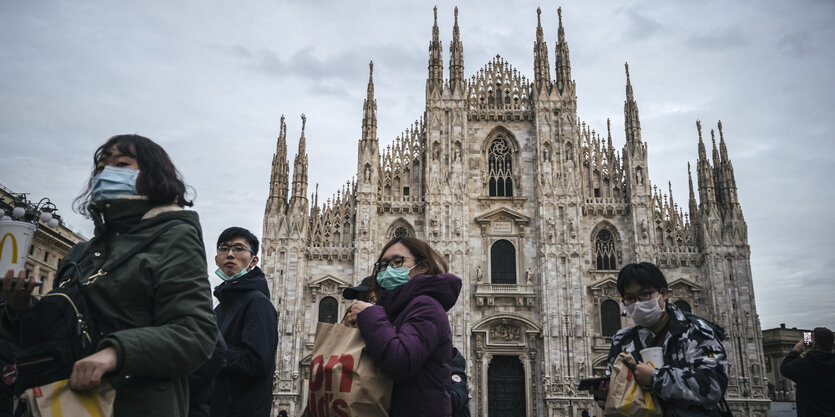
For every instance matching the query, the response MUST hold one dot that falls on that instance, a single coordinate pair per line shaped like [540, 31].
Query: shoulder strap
[120, 260]
[71, 264]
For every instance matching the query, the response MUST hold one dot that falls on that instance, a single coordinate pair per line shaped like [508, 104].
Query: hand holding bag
[626, 397]
[344, 381]
[57, 400]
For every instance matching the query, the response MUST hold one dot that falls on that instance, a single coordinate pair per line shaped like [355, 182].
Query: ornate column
[485, 364]
[526, 365]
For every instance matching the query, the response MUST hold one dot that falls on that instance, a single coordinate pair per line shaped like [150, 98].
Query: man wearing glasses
[248, 322]
[693, 377]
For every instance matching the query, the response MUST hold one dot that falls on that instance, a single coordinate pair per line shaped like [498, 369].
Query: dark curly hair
[159, 180]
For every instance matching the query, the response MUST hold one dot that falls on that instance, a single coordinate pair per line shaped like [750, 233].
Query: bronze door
[506, 387]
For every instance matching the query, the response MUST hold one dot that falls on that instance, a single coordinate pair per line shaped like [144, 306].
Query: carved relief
[503, 333]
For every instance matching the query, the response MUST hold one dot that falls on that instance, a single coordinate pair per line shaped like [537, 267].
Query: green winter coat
[155, 309]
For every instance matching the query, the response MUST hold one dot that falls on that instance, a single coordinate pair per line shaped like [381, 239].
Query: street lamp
[43, 211]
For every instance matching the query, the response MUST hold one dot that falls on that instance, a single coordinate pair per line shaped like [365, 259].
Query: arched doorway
[506, 387]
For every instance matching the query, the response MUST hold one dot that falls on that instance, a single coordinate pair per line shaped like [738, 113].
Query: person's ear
[253, 262]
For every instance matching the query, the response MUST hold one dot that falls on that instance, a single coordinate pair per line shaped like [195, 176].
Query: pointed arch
[606, 249]
[501, 153]
[400, 228]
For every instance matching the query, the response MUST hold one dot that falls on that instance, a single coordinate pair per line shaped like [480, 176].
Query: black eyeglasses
[642, 296]
[236, 249]
[395, 261]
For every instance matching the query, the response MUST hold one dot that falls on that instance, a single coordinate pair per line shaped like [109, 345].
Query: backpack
[59, 329]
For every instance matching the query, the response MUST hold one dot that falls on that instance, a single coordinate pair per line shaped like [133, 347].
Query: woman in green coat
[154, 310]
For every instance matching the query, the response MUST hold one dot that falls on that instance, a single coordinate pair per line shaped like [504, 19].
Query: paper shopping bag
[57, 399]
[626, 397]
[344, 381]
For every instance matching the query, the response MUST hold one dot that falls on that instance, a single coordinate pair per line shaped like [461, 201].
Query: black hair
[824, 339]
[645, 274]
[158, 180]
[235, 232]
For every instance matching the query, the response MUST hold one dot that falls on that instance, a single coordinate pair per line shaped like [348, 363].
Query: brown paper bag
[57, 399]
[626, 397]
[344, 381]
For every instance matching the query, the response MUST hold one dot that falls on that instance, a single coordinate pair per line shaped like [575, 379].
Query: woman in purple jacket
[407, 332]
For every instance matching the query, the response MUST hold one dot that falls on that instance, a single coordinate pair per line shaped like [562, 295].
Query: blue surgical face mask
[219, 272]
[392, 277]
[113, 182]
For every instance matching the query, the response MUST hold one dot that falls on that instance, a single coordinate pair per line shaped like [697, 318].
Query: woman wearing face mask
[407, 332]
[154, 310]
[694, 377]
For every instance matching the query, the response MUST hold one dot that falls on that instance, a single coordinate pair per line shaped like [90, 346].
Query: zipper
[82, 326]
[35, 362]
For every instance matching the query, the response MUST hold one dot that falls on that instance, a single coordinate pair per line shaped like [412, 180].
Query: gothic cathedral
[536, 212]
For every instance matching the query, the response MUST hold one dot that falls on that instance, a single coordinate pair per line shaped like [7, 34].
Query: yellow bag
[626, 397]
[57, 400]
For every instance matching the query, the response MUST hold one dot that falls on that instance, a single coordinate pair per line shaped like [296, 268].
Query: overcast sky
[209, 80]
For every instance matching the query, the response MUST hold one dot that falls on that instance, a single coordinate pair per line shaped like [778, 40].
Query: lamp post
[23, 210]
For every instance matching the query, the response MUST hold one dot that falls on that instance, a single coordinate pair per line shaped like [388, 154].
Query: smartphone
[591, 383]
[807, 338]
[25, 284]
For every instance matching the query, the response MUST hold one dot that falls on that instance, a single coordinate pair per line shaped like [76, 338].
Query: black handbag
[59, 329]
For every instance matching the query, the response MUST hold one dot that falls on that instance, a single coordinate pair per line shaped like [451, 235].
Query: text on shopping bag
[321, 400]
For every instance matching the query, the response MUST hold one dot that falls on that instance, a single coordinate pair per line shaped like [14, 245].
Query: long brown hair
[429, 258]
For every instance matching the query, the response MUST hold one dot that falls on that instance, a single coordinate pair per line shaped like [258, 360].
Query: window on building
[500, 166]
[503, 263]
[604, 250]
[609, 318]
[45, 256]
[683, 306]
[405, 191]
[31, 250]
[401, 231]
[327, 310]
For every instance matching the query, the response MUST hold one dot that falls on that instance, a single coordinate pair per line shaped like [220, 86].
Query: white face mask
[645, 313]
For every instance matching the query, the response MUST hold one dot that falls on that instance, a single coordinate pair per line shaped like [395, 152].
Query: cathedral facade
[536, 212]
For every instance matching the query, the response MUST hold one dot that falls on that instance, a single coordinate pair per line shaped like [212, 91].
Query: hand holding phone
[807, 338]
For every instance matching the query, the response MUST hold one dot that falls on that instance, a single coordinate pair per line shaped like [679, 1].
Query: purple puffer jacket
[407, 333]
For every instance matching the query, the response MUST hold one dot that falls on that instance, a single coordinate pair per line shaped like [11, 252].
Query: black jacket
[815, 378]
[200, 383]
[459, 395]
[248, 322]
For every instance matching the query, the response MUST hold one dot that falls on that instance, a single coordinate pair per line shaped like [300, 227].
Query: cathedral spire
[279, 176]
[563, 63]
[692, 199]
[723, 150]
[300, 171]
[369, 118]
[435, 82]
[630, 113]
[456, 58]
[541, 67]
[704, 175]
[728, 177]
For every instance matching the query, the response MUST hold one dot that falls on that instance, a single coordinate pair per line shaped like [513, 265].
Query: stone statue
[478, 273]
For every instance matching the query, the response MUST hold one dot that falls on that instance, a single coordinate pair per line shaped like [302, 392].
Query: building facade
[536, 212]
[49, 245]
[777, 343]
